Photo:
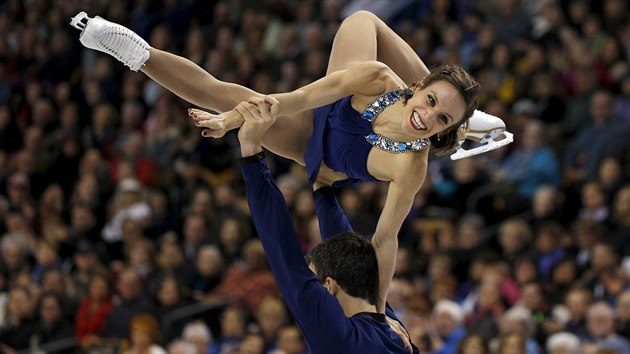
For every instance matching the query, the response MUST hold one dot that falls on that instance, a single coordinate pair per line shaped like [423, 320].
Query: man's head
[350, 260]
[600, 320]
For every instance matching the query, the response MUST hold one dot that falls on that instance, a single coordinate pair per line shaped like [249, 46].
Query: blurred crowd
[123, 231]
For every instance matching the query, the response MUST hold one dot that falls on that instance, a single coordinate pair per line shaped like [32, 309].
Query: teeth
[417, 120]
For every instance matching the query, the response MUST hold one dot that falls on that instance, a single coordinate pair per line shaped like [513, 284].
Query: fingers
[248, 111]
[274, 105]
[267, 107]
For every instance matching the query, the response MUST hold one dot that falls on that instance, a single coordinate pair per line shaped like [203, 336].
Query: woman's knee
[363, 17]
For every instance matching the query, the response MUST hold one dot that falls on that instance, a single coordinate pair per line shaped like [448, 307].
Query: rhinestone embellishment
[386, 144]
[397, 147]
[381, 102]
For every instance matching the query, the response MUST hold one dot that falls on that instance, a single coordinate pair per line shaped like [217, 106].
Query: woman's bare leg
[364, 37]
[361, 37]
[192, 83]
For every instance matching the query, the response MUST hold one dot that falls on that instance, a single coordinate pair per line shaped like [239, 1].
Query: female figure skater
[361, 121]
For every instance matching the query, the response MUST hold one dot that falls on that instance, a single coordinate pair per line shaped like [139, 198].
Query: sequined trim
[394, 146]
[381, 102]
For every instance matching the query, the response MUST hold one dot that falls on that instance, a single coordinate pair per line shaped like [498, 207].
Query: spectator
[603, 137]
[208, 271]
[20, 319]
[622, 314]
[449, 321]
[604, 276]
[195, 235]
[15, 253]
[250, 283]
[94, 308]
[473, 343]
[271, 317]
[198, 334]
[233, 331]
[594, 203]
[182, 347]
[531, 164]
[548, 247]
[518, 319]
[170, 298]
[290, 341]
[86, 264]
[601, 327]
[145, 335]
[512, 343]
[52, 333]
[129, 302]
[621, 219]
[128, 204]
[578, 301]
[514, 236]
[563, 343]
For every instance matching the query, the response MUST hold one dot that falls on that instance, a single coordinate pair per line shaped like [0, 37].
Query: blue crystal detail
[381, 102]
[390, 145]
[378, 105]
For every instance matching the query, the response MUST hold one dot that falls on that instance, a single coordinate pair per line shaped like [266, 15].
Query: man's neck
[352, 305]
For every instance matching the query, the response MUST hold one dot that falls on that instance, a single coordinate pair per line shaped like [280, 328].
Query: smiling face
[432, 110]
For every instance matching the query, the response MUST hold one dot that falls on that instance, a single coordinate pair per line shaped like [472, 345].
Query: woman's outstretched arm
[369, 78]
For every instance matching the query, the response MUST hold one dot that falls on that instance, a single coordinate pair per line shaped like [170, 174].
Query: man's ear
[331, 285]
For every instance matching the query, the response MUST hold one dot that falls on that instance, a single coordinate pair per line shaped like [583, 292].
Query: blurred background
[123, 231]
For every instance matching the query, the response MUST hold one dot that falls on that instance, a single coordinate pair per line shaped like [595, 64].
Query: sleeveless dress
[342, 138]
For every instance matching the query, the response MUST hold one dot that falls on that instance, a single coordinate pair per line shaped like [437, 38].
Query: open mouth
[416, 121]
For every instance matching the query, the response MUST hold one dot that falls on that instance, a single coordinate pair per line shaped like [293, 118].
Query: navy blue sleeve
[318, 314]
[332, 219]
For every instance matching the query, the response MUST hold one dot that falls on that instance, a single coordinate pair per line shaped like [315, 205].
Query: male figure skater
[333, 297]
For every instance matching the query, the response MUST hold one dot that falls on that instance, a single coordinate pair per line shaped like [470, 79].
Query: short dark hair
[350, 260]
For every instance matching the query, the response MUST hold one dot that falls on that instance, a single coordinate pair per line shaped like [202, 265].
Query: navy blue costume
[338, 140]
[318, 314]
[342, 138]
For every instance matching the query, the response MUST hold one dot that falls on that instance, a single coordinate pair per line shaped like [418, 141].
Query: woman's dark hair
[467, 87]
[350, 260]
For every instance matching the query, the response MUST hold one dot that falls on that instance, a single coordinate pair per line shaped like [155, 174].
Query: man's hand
[259, 115]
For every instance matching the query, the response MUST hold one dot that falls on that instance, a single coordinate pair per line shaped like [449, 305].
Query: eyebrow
[437, 101]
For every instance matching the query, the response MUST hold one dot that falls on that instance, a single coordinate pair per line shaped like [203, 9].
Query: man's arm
[332, 219]
[318, 314]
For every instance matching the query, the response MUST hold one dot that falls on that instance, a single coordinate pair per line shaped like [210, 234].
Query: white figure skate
[113, 39]
[484, 129]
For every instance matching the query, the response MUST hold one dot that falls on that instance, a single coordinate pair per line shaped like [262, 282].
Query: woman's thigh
[289, 136]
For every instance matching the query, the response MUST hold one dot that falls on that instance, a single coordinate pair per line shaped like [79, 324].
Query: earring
[408, 93]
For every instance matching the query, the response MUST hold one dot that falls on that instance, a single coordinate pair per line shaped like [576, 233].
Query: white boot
[484, 129]
[113, 39]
